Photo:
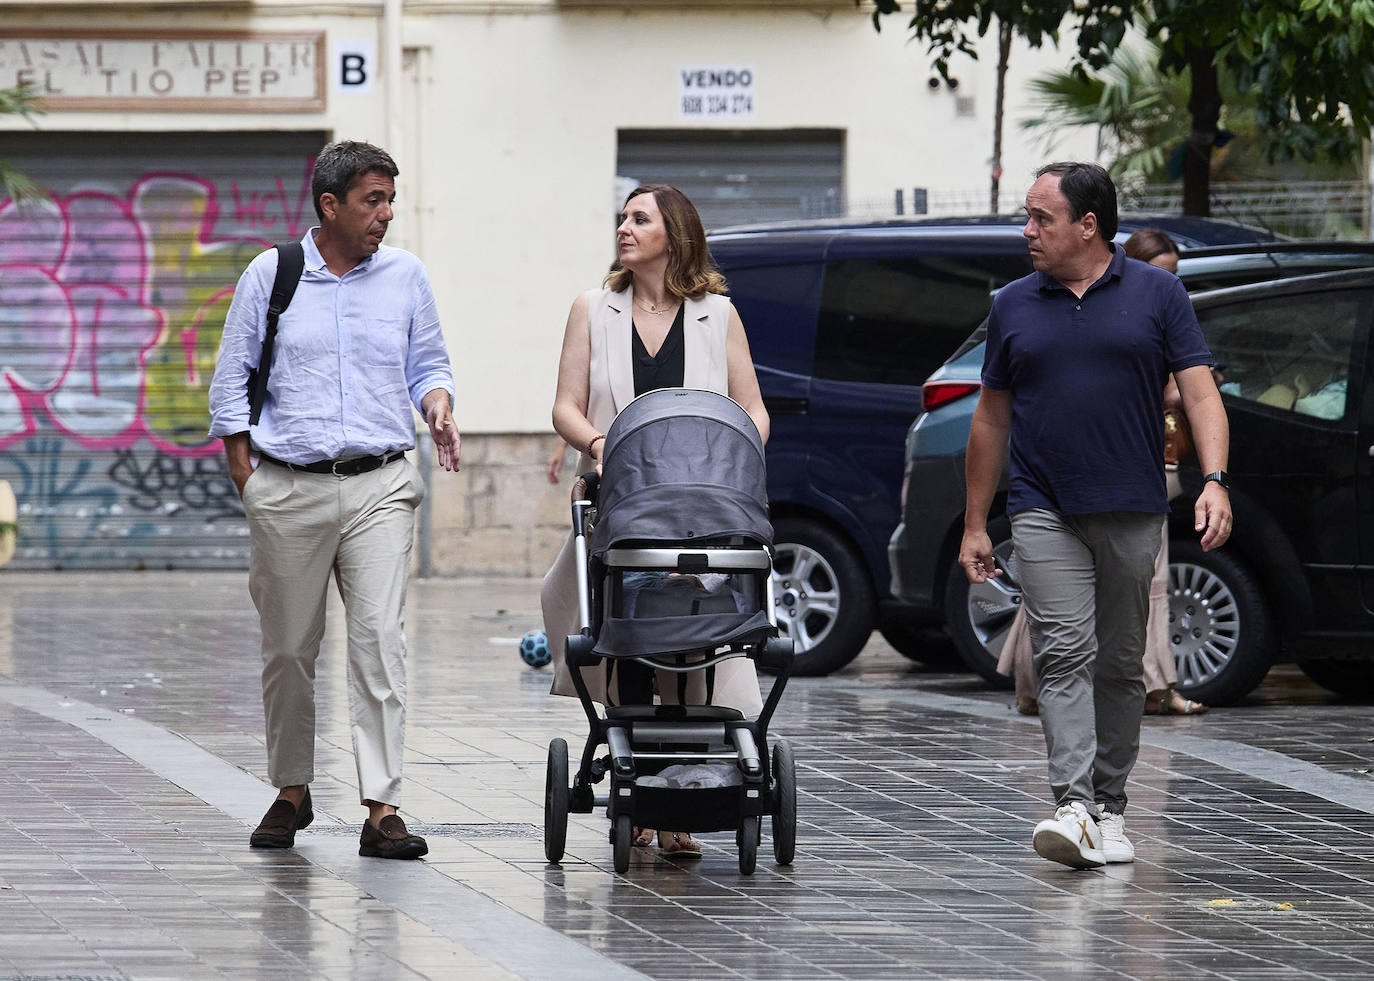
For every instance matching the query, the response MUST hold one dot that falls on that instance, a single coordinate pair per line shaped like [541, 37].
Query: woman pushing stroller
[660, 320]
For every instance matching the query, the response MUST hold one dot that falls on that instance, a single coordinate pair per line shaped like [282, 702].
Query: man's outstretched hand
[439, 415]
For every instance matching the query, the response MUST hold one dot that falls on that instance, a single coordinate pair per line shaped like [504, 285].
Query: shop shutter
[113, 293]
[739, 176]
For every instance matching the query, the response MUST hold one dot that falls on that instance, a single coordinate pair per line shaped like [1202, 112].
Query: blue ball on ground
[534, 649]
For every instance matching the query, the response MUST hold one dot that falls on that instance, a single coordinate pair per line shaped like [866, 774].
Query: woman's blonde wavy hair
[690, 273]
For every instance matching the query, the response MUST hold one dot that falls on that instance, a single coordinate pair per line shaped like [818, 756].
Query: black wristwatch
[1221, 477]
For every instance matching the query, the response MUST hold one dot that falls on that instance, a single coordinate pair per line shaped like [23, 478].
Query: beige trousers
[305, 527]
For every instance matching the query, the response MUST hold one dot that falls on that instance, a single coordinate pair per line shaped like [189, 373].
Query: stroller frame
[643, 739]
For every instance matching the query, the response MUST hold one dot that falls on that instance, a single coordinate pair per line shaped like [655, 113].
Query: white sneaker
[1115, 846]
[1071, 838]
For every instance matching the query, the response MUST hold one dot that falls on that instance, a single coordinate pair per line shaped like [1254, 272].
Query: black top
[667, 368]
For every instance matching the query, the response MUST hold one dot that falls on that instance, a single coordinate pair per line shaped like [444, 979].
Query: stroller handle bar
[583, 500]
[585, 486]
[688, 560]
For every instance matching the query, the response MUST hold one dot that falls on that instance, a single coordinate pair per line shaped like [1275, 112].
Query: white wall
[520, 152]
[509, 146]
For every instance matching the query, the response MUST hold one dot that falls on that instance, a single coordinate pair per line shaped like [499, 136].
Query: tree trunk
[1205, 105]
[1004, 36]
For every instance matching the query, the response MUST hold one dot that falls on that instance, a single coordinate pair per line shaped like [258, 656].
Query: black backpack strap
[290, 265]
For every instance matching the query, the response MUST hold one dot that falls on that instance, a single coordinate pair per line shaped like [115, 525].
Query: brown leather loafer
[390, 840]
[281, 822]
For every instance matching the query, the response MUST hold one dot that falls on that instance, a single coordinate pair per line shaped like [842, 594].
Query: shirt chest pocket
[387, 342]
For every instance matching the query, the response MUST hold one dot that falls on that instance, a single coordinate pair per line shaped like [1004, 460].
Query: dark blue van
[846, 319]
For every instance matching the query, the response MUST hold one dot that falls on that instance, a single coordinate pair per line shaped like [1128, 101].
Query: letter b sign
[355, 62]
[352, 69]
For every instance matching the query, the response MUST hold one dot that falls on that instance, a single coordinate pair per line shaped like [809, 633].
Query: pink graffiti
[111, 309]
[255, 209]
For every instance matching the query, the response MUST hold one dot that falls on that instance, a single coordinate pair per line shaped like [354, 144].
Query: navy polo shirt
[1087, 379]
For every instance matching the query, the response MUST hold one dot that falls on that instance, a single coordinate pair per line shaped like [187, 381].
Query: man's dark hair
[339, 165]
[1088, 187]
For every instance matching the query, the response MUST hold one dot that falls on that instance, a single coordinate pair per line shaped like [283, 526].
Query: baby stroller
[678, 576]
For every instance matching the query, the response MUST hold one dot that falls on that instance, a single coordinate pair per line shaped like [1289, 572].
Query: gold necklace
[653, 307]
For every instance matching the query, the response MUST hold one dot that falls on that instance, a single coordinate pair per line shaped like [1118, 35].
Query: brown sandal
[678, 844]
[1027, 705]
[643, 837]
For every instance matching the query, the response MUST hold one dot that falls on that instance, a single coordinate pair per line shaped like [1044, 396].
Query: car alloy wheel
[979, 615]
[1220, 627]
[822, 598]
[806, 595]
[1204, 623]
[992, 604]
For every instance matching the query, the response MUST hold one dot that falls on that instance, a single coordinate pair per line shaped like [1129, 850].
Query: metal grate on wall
[739, 176]
[113, 291]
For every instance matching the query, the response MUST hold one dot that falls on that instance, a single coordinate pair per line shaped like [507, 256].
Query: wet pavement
[133, 773]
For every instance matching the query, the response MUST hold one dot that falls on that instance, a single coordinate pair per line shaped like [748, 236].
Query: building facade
[177, 143]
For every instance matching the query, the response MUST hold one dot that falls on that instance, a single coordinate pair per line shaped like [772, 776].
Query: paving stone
[918, 791]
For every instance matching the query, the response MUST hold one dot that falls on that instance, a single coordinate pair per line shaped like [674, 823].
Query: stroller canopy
[681, 464]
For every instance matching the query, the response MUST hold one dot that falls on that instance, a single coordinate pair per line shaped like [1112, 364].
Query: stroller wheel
[622, 837]
[784, 803]
[556, 794]
[747, 837]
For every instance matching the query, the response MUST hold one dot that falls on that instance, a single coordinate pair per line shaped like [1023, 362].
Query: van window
[778, 307]
[895, 321]
[1288, 352]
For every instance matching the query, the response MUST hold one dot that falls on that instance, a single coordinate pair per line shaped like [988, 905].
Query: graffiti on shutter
[113, 293]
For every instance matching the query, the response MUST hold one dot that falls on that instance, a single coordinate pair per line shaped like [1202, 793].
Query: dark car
[846, 319]
[1296, 580]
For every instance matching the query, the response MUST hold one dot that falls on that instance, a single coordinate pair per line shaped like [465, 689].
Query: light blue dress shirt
[353, 354]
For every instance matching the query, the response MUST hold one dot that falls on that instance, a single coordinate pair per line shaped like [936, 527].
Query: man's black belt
[339, 468]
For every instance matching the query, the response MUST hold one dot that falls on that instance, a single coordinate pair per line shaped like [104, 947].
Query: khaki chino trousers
[305, 527]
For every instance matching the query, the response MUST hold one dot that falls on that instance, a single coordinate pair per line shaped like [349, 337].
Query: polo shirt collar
[1114, 270]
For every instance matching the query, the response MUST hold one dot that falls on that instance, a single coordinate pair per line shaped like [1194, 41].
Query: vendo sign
[711, 92]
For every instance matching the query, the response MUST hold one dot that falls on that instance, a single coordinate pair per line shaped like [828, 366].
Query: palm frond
[21, 100]
[1137, 113]
[18, 187]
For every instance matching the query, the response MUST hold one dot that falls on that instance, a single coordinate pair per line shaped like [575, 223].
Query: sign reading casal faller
[120, 70]
[711, 92]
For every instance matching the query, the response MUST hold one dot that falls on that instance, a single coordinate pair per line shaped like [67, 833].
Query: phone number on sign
[717, 105]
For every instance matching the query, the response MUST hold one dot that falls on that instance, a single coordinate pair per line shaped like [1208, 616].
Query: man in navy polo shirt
[1078, 354]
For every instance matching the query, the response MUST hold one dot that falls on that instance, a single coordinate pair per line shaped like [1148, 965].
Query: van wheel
[822, 596]
[1219, 626]
[978, 616]
[1352, 678]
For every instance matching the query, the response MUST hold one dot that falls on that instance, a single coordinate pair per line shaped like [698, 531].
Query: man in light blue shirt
[358, 346]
